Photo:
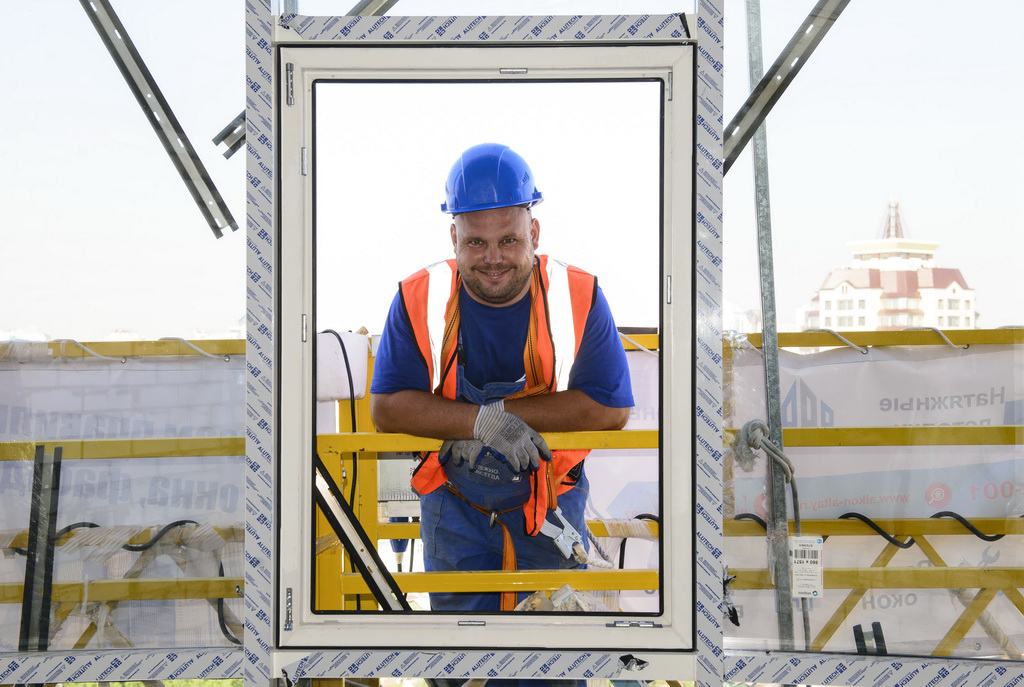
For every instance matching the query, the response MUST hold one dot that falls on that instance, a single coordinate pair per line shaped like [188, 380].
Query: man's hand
[509, 437]
[459, 450]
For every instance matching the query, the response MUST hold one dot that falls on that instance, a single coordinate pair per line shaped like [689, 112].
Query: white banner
[73, 399]
[890, 387]
[109, 500]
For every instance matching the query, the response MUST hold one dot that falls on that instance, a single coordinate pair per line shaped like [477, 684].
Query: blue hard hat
[489, 175]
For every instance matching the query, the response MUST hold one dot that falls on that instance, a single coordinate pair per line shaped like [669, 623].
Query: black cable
[59, 534]
[159, 535]
[751, 516]
[142, 547]
[220, 613]
[351, 407]
[73, 526]
[885, 535]
[966, 523]
[622, 548]
[352, 417]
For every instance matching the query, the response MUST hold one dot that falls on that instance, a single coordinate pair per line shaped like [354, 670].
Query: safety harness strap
[508, 547]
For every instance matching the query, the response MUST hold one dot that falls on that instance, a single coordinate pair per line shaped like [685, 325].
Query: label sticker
[806, 564]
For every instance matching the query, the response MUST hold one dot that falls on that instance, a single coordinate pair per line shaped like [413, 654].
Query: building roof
[896, 283]
[858, 278]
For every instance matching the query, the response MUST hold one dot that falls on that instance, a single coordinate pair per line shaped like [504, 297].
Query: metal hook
[195, 348]
[88, 350]
[937, 331]
[842, 338]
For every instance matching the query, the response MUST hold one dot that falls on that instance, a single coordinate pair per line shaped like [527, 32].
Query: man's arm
[423, 414]
[567, 411]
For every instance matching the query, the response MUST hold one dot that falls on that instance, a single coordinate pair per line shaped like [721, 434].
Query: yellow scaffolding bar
[133, 349]
[85, 449]
[134, 589]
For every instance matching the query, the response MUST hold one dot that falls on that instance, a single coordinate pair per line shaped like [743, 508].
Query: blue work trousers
[457, 537]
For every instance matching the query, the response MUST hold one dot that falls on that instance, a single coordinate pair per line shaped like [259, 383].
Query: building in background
[893, 283]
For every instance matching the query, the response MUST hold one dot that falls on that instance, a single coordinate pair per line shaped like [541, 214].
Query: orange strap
[533, 362]
[509, 600]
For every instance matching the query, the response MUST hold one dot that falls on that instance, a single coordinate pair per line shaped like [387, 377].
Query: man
[485, 351]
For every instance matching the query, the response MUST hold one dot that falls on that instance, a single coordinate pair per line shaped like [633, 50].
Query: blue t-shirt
[493, 340]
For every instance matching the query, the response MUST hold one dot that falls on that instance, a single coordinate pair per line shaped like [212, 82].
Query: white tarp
[64, 400]
[72, 399]
[890, 387]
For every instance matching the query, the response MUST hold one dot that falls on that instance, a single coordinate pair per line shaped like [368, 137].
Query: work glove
[458, 450]
[509, 437]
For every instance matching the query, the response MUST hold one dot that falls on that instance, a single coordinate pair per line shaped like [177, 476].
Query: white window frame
[673, 631]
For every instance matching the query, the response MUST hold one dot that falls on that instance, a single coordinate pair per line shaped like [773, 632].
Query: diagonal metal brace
[160, 116]
[233, 135]
[777, 79]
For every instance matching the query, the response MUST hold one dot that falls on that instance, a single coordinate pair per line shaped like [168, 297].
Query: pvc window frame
[672, 633]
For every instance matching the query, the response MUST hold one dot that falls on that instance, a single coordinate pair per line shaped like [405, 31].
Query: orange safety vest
[560, 293]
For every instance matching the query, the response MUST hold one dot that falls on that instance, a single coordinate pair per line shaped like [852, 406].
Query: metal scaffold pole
[746, 126]
[778, 527]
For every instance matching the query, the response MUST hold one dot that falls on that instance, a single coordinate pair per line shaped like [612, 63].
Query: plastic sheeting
[889, 387]
[151, 517]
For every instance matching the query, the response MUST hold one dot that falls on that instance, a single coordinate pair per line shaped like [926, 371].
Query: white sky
[588, 205]
[916, 101]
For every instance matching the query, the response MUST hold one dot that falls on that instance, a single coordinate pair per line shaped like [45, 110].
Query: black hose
[220, 613]
[351, 407]
[159, 535]
[966, 523]
[885, 535]
[622, 548]
[751, 516]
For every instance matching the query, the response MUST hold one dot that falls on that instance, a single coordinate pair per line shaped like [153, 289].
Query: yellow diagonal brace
[852, 599]
[965, 622]
[1016, 598]
[988, 624]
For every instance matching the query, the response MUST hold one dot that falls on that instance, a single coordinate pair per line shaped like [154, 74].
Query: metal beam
[775, 82]
[236, 131]
[233, 135]
[777, 529]
[361, 550]
[160, 116]
[372, 8]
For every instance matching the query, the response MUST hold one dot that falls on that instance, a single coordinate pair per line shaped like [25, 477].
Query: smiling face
[494, 251]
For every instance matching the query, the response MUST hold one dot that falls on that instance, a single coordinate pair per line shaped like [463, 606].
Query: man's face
[494, 252]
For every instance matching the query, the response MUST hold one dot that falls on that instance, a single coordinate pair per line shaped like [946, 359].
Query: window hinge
[668, 86]
[289, 83]
[288, 610]
[633, 623]
[303, 327]
[668, 289]
[304, 162]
